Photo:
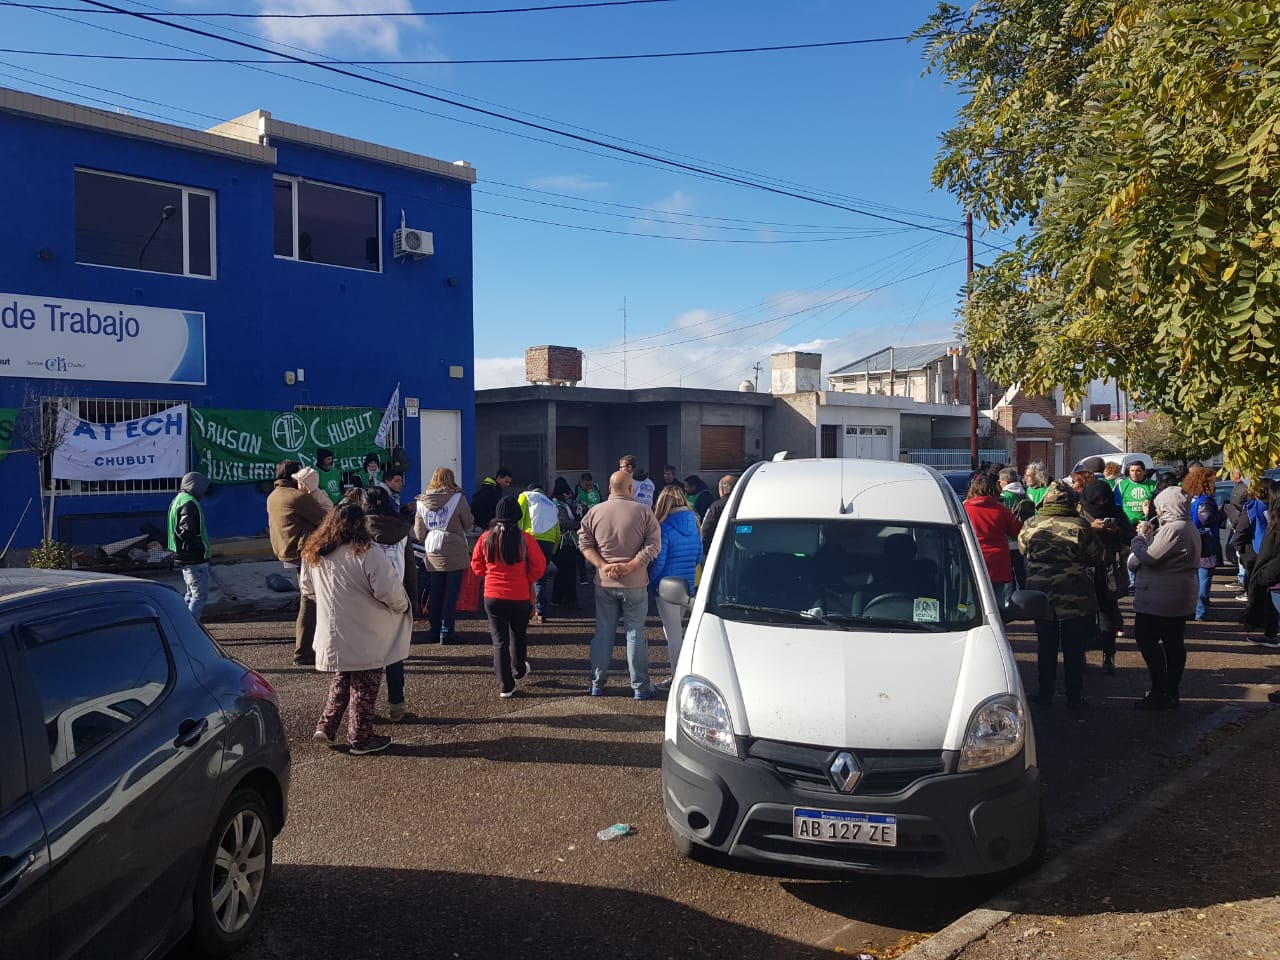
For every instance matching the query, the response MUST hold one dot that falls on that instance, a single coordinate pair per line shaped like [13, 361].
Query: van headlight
[996, 733]
[704, 717]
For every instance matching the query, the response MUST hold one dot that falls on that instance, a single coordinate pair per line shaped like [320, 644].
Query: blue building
[258, 266]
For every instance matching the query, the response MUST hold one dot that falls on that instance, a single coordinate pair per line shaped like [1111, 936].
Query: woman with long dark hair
[510, 562]
[1111, 524]
[362, 622]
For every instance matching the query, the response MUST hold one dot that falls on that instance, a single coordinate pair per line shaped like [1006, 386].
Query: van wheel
[233, 876]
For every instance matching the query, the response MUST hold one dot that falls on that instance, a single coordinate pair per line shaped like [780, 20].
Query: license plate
[838, 826]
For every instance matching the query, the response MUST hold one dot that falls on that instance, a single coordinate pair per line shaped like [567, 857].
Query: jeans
[1161, 640]
[1241, 574]
[508, 628]
[196, 578]
[1202, 601]
[1019, 566]
[630, 605]
[395, 684]
[542, 589]
[442, 602]
[671, 614]
[1072, 635]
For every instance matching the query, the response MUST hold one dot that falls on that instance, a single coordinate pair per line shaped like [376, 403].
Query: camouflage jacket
[1062, 555]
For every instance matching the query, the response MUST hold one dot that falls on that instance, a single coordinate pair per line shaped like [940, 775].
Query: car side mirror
[1027, 605]
[674, 590]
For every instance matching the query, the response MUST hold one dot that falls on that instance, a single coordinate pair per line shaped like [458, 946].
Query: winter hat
[508, 510]
[322, 453]
[1093, 464]
[195, 484]
[1059, 493]
[1098, 497]
[372, 458]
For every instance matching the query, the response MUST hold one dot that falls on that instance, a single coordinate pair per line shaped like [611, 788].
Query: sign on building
[148, 448]
[60, 338]
[244, 446]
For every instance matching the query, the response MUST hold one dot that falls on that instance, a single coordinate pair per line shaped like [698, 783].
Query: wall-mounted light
[289, 378]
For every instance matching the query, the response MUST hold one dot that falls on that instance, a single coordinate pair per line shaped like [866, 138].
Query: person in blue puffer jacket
[679, 557]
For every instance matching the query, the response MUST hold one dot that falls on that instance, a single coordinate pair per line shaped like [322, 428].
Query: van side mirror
[1027, 605]
[674, 590]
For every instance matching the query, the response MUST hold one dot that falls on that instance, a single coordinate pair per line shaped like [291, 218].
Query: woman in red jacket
[511, 562]
[993, 524]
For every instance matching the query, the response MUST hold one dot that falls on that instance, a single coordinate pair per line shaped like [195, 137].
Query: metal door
[440, 437]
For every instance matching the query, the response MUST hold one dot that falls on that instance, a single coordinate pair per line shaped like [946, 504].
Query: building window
[320, 223]
[723, 447]
[571, 448]
[143, 225]
[106, 411]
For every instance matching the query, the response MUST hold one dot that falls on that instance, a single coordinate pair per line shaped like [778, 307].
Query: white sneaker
[1243, 598]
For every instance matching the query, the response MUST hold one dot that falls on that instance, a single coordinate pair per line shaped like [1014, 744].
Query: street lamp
[167, 211]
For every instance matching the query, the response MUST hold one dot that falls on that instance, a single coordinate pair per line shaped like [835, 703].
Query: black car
[143, 773]
[958, 480]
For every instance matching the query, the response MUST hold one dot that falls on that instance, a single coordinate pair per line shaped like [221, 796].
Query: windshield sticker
[746, 528]
[925, 610]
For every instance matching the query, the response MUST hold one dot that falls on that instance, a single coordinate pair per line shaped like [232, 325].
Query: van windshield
[846, 574]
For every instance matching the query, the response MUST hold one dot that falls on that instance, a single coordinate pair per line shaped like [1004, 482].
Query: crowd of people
[1089, 539]
[356, 548]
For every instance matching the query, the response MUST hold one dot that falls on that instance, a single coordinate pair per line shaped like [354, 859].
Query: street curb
[949, 942]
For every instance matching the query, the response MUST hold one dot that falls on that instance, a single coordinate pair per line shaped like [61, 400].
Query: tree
[1139, 145]
[1165, 439]
[42, 429]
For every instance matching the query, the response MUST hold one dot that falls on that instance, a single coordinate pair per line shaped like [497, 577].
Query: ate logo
[289, 432]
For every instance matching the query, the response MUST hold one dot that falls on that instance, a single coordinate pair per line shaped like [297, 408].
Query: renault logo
[845, 772]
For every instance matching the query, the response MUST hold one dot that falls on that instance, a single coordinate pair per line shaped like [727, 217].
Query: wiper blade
[925, 627]
[802, 616]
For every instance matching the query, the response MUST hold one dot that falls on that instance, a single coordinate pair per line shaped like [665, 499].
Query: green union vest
[1134, 497]
[178, 503]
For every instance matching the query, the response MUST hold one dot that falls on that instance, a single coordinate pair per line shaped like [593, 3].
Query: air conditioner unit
[408, 242]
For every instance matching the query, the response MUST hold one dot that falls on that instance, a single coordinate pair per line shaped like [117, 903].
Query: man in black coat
[485, 502]
[712, 518]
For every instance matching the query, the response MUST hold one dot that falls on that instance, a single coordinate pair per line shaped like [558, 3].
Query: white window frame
[293, 182]
[186, 227]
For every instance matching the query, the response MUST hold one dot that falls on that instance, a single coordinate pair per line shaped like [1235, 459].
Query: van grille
[884, 772]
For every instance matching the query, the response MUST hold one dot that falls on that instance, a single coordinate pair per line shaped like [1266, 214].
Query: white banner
[61, 338]
[148, 448]
[383, 435]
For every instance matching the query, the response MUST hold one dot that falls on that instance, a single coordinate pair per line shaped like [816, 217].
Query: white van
[845, 696]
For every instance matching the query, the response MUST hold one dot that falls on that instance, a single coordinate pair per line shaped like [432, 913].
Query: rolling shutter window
[723, 447]
[571, 448]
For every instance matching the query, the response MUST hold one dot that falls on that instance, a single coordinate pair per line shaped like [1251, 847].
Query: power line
[863, 203]
[595, 58]
[400, 87]
[345, 16]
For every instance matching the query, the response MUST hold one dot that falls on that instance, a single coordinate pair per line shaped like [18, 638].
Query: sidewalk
[1188, 872]
[238, 590]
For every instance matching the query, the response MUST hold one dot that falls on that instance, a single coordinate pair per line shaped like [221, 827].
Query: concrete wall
[790, 424]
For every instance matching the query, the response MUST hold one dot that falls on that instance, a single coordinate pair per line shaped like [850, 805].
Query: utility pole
[973, 361]
[624, 343]
[757, 370]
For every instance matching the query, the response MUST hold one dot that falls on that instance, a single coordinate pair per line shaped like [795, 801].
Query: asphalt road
[473, 836]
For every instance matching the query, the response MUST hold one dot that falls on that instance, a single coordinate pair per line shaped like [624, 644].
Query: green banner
[244, 446]
[8, 427]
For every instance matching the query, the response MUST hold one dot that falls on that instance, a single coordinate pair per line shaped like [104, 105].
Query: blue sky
[856, 124]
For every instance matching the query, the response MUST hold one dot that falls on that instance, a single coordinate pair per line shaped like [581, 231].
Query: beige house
[924, 372]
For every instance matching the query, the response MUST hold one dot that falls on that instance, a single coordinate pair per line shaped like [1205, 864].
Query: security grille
[99, 410]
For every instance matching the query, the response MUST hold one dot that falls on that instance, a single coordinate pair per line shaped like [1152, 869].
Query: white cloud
[370, 33]
[576, 183]
[494, 372]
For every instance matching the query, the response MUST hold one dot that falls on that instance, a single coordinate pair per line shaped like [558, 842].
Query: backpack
[543, 514]
[437, 522]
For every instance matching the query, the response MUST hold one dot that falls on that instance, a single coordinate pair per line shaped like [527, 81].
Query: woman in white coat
[362, 622]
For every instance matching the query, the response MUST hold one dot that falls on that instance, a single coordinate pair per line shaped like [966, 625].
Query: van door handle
[14, 873]
[190, 732]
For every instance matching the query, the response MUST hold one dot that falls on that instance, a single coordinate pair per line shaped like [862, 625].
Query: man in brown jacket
[620, 538]
[291, 515]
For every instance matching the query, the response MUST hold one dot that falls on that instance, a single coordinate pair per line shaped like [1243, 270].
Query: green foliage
[50, 555]
[1140, 143]
[1168, 442]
